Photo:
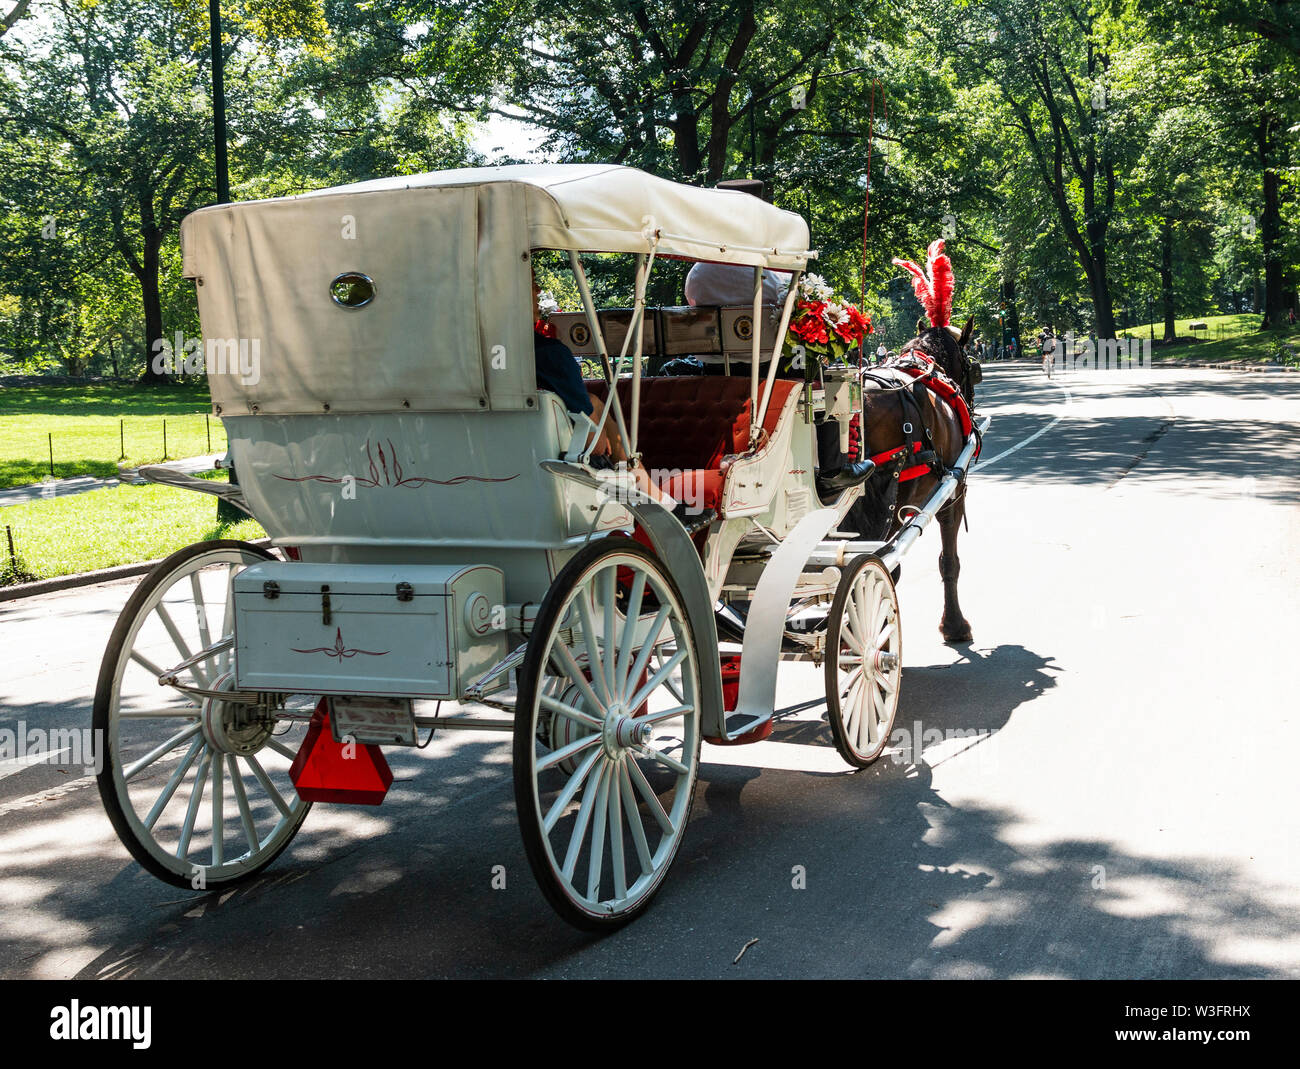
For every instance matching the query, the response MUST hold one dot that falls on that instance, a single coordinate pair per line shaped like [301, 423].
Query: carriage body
[444, 537]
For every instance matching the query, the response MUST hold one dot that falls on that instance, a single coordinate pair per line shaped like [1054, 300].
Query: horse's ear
[920, 326]
[966, 332]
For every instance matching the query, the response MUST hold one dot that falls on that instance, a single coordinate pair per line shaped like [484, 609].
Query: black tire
[535, 676]
[848, 725]
[112, 788]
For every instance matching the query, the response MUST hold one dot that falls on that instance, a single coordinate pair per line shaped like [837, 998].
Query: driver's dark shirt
[557, 371]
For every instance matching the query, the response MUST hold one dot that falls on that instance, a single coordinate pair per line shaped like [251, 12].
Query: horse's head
[946, 346]
[943, 343]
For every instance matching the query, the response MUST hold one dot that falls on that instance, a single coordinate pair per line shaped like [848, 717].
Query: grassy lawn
[89, 422]
[119, 525]
[1230, 338]
[1226, 326]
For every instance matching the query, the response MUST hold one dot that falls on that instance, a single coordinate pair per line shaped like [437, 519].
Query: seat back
[693, 421]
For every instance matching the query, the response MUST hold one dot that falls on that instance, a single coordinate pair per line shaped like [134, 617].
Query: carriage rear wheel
[864, 662]
[607, 734]
[196, 787]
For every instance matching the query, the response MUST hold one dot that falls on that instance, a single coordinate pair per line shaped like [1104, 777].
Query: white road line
[12, 765]
[981, 464]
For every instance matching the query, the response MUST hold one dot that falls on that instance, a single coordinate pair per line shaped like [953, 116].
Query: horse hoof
[956, 635]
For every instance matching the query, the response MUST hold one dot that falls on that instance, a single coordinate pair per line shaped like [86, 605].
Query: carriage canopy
[445, 257]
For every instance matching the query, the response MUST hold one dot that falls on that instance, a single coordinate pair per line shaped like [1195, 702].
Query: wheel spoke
[173, 781]
[634, 601]
[609, 596]
[596, 860]
[241, 800]
[146, 664]
[665, 670]
[148, 759]
[579, 832]
[663, 759]
[554, 705]
[267, 785]
[196, 800]
[565, 752]
[634, 821]
[218, 803]
[664, 714]
[651, 799]
[616, 833]
[851, 626]
[570, 790]
[189, 712]
[196, 588]
[227, 617]
[594, 665]
[643, 655]
[282, 749]
[181, 646]
[563, 658]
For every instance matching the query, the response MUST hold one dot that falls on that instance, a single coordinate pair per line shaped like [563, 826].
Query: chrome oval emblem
[352, 289]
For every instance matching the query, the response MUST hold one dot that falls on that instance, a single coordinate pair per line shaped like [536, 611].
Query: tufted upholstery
[693, 421]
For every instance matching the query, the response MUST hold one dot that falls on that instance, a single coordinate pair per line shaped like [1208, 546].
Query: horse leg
[953, 626]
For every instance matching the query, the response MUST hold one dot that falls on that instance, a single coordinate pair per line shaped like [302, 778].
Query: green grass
[87, 422]
[1233, 339]
[1225, 326]
[119, 525]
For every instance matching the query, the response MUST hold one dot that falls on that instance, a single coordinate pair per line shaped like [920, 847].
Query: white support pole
[638, 312]
[777, 349]
[755, 347]
[580, 274]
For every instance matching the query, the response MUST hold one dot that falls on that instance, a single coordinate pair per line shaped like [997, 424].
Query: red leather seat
[689, 423]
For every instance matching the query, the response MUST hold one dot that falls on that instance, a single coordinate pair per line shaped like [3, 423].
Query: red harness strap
[945, 388]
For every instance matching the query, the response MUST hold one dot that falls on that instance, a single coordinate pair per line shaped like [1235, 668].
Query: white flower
[834, 314]
[814, 288]
[547, 304]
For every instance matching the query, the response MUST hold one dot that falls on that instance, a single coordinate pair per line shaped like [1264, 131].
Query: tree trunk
[1012, 312]
[1270, 230]
[1167, 277]
[149, 292]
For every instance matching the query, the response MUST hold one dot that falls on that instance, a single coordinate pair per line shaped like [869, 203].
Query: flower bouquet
[547, 306]
[822, 324]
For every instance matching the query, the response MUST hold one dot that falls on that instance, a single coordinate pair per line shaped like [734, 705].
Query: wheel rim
[865, 633]
[201, 786]
[610, 805]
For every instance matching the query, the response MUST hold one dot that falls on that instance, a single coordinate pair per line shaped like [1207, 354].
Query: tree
[122, 86]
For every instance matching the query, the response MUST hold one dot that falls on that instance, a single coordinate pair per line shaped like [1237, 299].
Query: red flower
[545, 328]
[812, 329]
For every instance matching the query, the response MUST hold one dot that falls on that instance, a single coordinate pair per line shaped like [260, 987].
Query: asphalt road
[1122, 801]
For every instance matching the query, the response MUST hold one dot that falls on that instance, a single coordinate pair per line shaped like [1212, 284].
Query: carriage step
[743, 728]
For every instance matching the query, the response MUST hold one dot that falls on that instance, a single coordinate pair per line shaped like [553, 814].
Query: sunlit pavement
[1101, 786]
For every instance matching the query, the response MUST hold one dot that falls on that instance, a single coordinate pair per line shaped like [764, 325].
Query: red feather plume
[934, 286]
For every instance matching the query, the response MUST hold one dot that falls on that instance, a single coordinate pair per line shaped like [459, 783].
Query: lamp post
[219, 103]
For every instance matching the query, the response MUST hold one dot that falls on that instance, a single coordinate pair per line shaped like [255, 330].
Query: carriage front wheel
[864, 661]
[607, 734]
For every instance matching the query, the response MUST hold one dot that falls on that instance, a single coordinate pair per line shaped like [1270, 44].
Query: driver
[718, 285]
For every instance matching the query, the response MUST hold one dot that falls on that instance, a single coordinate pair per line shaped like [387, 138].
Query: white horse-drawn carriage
[450, 557]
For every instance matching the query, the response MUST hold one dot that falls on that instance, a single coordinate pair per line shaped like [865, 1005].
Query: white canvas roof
[449, 327]
[607, 208]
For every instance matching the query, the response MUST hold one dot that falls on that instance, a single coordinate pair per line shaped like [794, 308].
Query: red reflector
[329, 771]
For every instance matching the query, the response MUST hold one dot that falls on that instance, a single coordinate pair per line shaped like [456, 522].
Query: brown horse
[889, 402]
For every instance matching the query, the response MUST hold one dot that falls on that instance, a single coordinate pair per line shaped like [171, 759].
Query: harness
[919, 447]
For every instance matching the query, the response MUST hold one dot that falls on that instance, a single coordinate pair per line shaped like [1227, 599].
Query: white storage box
[418, 631]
